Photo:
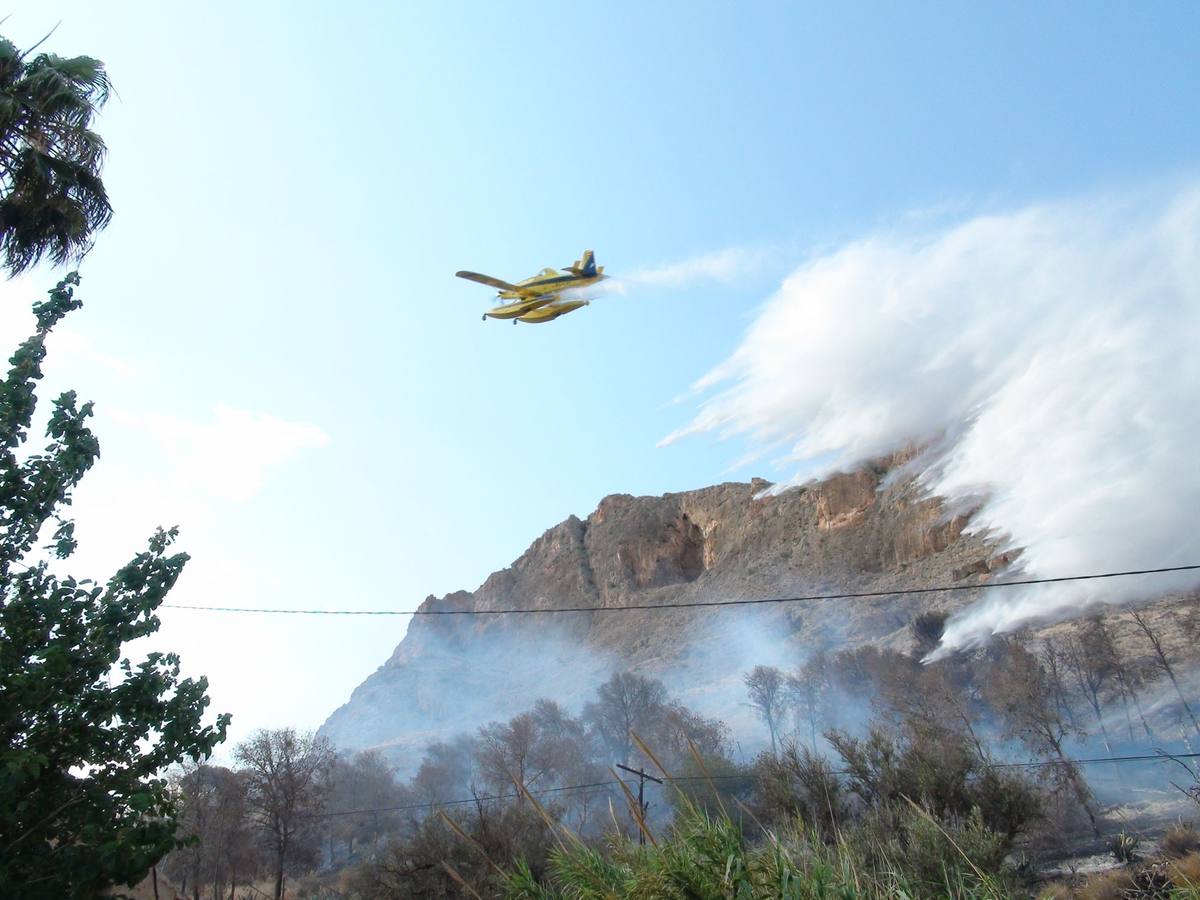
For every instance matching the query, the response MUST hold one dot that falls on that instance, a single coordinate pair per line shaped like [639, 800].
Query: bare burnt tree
[1124, 678]
[1018, 689]
[1140, 674]
[511, 753]
[447, 769]
[852, 676]
[1053, 657]
[678, 729]
[625, 703]
[1091, 672]
[927, 700]
[541, 748]
[768, 695]
[286, 782]
[808, 688]
[215, 815]
[1164, 662]
[365, 782]
[566, 745]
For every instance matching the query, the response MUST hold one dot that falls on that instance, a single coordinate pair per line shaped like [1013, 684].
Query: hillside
[869, 530]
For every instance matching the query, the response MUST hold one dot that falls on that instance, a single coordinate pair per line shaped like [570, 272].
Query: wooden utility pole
[642, 804]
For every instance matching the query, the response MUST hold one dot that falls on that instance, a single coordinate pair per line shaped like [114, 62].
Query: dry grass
[145, 889]
[1177, 879]
[1180, 840]
[1185, 872]
[1116, 884]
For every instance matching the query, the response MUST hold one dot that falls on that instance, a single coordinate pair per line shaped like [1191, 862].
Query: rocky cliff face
[870, 530]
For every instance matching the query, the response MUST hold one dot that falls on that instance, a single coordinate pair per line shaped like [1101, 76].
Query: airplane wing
[488, 280]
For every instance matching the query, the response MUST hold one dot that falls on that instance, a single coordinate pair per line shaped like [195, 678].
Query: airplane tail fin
[585, 265]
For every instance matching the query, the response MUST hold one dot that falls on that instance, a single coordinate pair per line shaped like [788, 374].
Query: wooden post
[642, 804]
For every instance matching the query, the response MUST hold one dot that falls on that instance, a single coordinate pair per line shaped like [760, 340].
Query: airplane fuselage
[548, 281]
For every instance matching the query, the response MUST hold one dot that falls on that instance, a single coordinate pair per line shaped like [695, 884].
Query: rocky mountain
[868, 530]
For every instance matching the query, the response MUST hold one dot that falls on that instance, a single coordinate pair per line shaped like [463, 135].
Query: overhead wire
[633, 607]
[706, 604]
[607, 785]
[1160, 756]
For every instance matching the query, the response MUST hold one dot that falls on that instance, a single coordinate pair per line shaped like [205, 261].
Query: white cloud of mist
[1047, 355]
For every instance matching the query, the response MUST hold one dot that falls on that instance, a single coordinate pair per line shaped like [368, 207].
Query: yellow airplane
[538, 299]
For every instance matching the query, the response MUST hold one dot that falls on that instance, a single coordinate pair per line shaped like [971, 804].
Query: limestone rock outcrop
[869, 530]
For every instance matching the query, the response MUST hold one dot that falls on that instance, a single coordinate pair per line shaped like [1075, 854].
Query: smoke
[445, 679]
[1045, 356]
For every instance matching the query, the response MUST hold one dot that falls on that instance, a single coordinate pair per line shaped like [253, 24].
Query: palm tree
[51, 197]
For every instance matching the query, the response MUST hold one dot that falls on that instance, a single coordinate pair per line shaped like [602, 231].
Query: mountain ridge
[874, 528]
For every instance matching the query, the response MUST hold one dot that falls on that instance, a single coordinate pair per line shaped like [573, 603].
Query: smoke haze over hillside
[1047, 358]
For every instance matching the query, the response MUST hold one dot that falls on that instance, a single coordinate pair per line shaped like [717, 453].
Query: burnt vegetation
[879, 773]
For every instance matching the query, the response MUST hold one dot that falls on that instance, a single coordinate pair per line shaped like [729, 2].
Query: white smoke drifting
[1050, 357]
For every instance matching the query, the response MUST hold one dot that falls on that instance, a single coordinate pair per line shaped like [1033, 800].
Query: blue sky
[295, 185]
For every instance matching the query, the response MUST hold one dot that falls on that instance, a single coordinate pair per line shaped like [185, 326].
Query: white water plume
[1049, 355]
[726, 266]
[722, 266]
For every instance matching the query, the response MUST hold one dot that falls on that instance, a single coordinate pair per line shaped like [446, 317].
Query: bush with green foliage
[83, 801]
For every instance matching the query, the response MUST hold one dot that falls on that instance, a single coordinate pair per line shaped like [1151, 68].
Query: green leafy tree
[51, 197]
[83, 801]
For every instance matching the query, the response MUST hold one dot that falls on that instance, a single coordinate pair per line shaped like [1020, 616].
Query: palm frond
[52, 199]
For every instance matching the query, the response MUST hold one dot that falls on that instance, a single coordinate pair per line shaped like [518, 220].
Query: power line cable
[610, 784]
[697, 604]
[607, 785]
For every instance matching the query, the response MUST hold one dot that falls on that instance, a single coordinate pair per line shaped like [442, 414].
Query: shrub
[935, 858]
[713, 784]
[1180, 840]
[940, 772]
[1124, 847]
[798, 784]
[705, 857]
[416, 866]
